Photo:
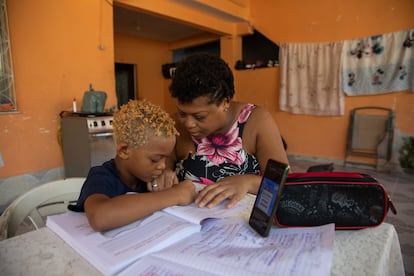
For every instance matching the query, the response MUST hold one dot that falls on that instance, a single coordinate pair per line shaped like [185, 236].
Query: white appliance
[87, 141]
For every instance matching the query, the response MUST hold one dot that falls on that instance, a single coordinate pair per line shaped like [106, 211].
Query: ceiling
[137, 23]
[140, 24]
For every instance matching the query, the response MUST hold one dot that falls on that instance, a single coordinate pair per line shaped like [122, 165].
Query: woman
[222, 142]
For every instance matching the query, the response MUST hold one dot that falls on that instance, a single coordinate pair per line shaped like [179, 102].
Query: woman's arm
[231, 187]
[269, 143]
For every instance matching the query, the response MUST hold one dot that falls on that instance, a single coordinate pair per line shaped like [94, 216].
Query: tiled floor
[400, 187]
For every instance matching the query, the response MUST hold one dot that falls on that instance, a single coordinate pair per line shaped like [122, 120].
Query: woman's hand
[166, 180]
[232, 187]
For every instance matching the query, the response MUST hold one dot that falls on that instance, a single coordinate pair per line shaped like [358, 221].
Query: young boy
[123, 189]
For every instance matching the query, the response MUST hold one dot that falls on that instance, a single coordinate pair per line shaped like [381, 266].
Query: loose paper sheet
[231, 247]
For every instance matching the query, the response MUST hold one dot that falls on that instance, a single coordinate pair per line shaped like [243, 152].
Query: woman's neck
[231, 117]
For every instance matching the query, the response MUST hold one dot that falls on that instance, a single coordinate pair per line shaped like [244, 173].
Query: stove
[99, 124]
[95, 122]
[87, 141]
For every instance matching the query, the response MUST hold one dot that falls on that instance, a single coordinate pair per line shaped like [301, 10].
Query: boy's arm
[105, 213]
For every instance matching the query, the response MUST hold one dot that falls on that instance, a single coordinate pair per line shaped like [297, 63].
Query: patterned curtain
[310, 79]
[378, 64]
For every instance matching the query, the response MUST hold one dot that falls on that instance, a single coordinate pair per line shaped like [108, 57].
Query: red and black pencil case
[351, 200]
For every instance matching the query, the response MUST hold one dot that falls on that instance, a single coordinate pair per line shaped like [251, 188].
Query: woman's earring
[226, 109]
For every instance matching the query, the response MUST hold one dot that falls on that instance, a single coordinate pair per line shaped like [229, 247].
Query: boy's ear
[122, 150]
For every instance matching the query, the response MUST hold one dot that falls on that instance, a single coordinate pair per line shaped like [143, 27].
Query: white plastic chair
[38, 203]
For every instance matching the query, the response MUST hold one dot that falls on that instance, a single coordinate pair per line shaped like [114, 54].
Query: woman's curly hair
[137, 119]
[202, 74]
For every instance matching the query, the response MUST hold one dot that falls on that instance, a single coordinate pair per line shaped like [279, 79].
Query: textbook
[112, 251]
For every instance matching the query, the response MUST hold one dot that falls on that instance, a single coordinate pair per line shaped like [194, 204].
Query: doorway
[125, 83]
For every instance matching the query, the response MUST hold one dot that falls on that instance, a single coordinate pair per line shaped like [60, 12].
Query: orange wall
[56, 56]
[148, 56]
[317, 136]
[322, 21]
[329, 20]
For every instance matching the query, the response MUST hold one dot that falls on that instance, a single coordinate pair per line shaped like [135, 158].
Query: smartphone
[268, 196]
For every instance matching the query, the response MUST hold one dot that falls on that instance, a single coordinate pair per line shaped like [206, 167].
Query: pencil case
[351, 200]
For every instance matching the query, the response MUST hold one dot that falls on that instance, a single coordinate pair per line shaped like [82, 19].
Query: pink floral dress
[220, 155]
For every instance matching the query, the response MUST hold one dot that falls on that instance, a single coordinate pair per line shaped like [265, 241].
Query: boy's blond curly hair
[139, 118]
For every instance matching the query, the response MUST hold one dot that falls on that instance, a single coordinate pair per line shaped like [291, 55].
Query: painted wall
[56, 57]
[323, 21]
[318, 136]
[147, 56]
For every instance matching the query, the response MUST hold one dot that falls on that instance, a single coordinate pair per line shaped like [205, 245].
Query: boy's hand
[166, 180]
[186, 192]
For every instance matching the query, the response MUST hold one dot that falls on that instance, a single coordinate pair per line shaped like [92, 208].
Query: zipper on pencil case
[343, 179]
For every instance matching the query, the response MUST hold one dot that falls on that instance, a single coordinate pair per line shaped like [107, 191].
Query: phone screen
[268, 196]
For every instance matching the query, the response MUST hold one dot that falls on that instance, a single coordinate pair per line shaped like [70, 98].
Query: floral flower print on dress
[220, 148]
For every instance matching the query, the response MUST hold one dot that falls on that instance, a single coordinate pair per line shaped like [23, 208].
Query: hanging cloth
[310, 78]
[378, 64]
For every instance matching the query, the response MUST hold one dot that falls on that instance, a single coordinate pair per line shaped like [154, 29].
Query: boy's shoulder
[106, 167]
[106, 171]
